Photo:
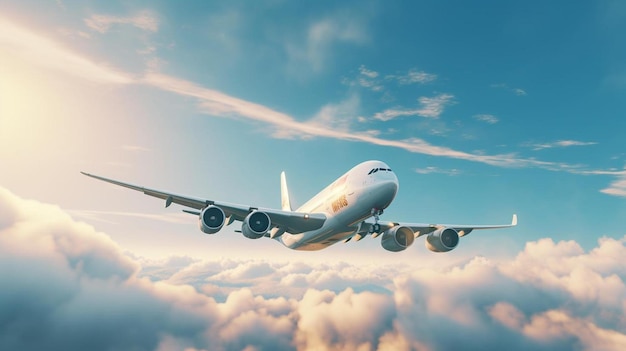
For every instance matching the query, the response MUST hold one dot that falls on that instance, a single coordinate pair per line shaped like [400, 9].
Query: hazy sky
[482, 109]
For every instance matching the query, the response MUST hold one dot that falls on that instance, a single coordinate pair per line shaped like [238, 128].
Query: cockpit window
[379, 169]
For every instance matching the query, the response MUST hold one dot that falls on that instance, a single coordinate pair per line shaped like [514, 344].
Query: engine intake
[442, 240]
[256, 224]
[211, 219]
[397, 238]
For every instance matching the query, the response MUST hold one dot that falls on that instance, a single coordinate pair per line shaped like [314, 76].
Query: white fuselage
[355, 196]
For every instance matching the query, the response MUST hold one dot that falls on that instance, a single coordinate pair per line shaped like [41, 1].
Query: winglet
[284, 193]
[514, 220]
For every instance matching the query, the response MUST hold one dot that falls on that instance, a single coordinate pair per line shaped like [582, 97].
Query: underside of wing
[397, 236]
[214, 214]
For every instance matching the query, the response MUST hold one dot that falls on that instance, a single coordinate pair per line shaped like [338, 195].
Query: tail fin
[284, 193]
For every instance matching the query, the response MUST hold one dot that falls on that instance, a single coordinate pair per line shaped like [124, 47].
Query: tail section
[284, 193]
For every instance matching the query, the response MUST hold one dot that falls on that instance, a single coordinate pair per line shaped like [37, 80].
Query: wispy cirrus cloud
[104, 216]
[135, 148]
[369, 79]
[413, 76]
[436, 170]
[516, 91]
[145, 20]
[41, 51]
[430, 107]
[217, 103]
[559, 144]
[315, 46]
[372, 80]
[487, 118]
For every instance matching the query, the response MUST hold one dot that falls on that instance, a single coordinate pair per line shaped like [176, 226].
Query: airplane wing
[423, 228]
[291, 222]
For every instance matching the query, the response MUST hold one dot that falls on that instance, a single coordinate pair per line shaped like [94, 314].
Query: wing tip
[514, 220]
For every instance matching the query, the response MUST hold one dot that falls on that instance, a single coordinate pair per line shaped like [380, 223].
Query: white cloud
[559, 144]
[320, 39]
[491, 119]
[368, 79]
[436, 170]
[75, 290]
[367, 73]
[145, 20]
[433, 106]
[371, 79]
[430, 107]
[413, 76]
[617, 187]
[338, 116]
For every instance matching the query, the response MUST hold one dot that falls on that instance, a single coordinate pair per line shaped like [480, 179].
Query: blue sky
[514, 108]
[483, 110]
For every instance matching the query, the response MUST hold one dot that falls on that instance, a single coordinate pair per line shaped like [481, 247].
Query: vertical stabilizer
[284, 193]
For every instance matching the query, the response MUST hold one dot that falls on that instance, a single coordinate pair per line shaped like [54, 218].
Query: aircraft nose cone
[387, 192]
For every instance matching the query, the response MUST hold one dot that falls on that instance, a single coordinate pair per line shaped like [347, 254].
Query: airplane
[348, 209]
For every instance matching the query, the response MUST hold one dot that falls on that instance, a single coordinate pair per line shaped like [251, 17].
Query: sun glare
[27, 102]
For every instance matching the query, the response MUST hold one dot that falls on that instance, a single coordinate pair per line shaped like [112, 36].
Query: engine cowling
[442, 240]
[397, 238]
[256, 224]
[211, 219]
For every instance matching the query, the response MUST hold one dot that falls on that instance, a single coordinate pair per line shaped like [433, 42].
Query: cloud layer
[66, 286]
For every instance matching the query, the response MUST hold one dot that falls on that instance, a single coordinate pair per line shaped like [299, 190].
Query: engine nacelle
[211, 219]
[442, 240]
[256, 224]
[397, 238]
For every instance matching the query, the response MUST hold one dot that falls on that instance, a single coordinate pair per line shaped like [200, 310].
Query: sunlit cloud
[41, 51]
[145, 20]
[135, 148]
[617, 187]
[551, 295]
[105, 216]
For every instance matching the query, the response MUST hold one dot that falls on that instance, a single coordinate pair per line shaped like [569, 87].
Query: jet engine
[256, 224]
[442, 240]
[211, 219]
[397, 238]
